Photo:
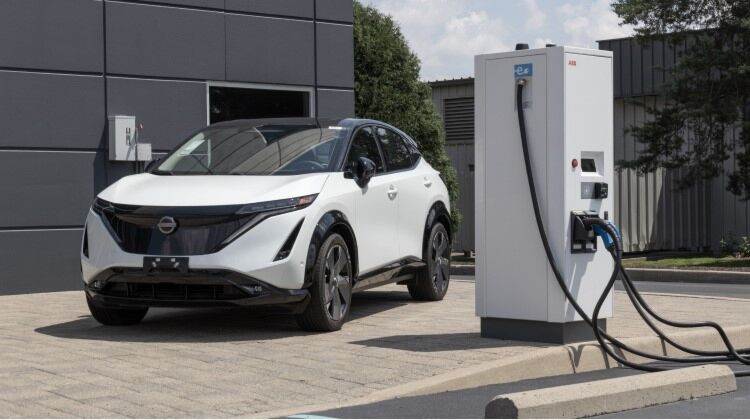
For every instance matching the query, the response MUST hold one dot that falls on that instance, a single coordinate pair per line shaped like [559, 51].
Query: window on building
[234, 103]
[459, 119]
[397, 155]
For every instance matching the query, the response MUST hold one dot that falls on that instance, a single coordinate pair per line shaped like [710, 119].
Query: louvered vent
[459, 119]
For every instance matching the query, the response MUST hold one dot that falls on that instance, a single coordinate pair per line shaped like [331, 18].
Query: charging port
[583, 237]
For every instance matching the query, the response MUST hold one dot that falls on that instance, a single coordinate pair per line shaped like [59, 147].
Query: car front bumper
[253, 254]
[195, 288]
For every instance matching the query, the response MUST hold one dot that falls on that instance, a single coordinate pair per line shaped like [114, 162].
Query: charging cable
[612, 238]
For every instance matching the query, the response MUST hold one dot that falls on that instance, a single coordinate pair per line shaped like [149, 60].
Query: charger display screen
[588, 165]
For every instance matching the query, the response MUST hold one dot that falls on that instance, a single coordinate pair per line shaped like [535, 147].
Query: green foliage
[707, 97]
[387, 88]
[738, 249]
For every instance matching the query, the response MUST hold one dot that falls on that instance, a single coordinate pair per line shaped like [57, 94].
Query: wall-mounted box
[123, 144]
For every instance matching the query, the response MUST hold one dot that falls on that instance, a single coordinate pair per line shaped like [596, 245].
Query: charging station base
[539, 331]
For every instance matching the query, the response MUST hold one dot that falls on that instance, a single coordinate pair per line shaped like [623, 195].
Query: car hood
[210, 190]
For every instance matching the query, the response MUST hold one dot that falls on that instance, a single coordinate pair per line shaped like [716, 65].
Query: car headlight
[287, 204]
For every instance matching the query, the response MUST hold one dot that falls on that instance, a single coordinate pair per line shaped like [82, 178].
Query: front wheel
[432, 282]
[331, 291]
[115, 316]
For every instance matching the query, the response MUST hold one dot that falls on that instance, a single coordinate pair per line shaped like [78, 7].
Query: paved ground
[704, 289]
[57, 362]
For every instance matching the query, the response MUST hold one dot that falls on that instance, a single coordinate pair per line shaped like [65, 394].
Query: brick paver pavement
[55, 361]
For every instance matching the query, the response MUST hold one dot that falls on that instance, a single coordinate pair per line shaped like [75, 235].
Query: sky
[446, 34]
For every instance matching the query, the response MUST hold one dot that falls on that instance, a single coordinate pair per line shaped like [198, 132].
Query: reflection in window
[263, 150]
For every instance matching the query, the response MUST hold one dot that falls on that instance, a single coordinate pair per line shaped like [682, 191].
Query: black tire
[331, 291]
[115, 316]
[432, 282]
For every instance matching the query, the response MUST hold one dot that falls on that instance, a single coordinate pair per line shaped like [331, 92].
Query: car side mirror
[151, 165]
[363, 171]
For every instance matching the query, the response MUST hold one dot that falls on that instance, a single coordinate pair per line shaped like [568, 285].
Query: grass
[726, 262]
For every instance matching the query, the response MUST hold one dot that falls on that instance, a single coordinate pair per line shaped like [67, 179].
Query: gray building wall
[67, 64]
[652, 211]
[461, 153]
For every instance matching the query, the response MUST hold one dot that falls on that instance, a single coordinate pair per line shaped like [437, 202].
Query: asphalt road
[701, 289]
[464, 404]
[470, 403]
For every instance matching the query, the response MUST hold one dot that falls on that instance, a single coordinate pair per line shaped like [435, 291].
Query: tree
[387, 88]
[707, 97]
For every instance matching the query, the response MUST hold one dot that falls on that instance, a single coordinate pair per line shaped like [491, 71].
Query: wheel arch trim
[438, 213]
[332, 221]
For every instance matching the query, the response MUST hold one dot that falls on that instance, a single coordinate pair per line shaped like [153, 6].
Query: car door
[412, 184]
[376, 206]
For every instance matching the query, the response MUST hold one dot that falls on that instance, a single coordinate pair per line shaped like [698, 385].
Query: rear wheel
[432, 282]
[115, 316]
[331, 291]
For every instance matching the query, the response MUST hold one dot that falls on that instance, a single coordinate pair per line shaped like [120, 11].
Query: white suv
[294, 213]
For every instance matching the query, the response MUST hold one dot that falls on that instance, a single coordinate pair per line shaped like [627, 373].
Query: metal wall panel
[51, 110]
[338, 10]
[51, 35]
[270, 50]
[169, 110]
[335, 55]
[164, 41]
[296, 8]
[209, 4]
[651, 210]
[40, 261]
[335, 103]
[47, 188]
[461, 154]
[462, 157]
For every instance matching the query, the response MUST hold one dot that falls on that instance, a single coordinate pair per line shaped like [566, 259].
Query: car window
[259, 150]
[365, 145]
[397, 154]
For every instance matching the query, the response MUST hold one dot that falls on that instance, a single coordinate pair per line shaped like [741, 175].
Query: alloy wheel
[337, 282]
[439, 253]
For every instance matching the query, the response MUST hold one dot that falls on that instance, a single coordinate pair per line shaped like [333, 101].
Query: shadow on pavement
[206, 325]
[438, 342]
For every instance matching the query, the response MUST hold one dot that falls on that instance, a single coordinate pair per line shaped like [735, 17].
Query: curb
[549, 361]
[614, 395]
[688, 276]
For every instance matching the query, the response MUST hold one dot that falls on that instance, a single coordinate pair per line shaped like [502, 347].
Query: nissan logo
[167, 225]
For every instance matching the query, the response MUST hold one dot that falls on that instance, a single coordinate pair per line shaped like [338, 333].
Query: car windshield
[260, 150]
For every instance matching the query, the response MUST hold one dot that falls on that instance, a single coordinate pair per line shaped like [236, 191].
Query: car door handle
[392, 192]
[427, 182]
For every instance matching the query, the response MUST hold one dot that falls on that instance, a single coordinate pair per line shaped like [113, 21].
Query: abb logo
[572, 63]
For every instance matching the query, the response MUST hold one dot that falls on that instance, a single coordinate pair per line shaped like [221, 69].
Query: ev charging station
[567, 105]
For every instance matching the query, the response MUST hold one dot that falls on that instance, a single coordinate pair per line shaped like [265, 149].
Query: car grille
[199, 231]
[173, 291]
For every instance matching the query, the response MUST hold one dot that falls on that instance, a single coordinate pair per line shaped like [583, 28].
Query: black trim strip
[286, 249]
[393, 272]
[51, 71]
